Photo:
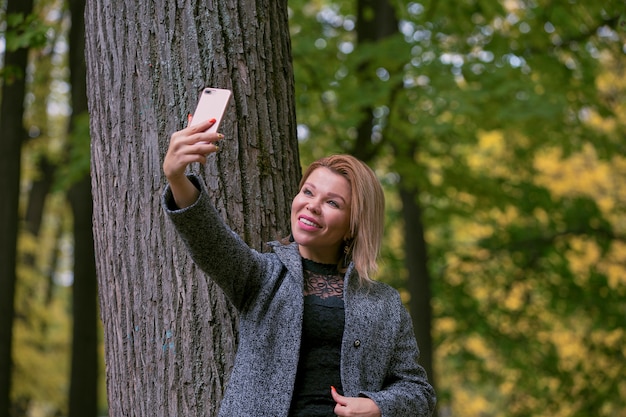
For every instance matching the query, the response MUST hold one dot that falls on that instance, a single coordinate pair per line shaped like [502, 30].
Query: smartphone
[211, 105]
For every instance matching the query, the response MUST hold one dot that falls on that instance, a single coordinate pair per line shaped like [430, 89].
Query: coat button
[357, 343]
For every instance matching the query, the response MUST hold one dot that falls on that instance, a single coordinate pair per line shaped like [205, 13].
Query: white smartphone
[211, 105]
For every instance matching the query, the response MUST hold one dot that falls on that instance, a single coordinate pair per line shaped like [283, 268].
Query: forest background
[500, 123]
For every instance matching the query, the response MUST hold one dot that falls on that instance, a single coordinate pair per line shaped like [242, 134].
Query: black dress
[320, 351]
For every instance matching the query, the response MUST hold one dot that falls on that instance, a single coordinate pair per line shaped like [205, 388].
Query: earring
[347, 252]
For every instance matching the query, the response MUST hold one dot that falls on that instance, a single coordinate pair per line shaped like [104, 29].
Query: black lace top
[322, 332]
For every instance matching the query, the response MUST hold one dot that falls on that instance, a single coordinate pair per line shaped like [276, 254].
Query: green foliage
[21, 32]
[622, 22]
[24, 32]
[508, 117]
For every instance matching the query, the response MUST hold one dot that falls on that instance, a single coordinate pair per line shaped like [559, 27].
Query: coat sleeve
[406, 391]
[214, 247]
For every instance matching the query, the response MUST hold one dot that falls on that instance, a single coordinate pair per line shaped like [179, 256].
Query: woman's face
[320, 215]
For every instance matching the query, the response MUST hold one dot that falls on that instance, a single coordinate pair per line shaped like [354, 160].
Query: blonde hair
[367, 214]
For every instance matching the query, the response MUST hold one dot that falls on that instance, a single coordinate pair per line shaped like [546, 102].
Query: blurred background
[498, 130]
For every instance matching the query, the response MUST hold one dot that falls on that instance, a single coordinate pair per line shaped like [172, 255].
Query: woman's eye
[306, 191]
[333, 203]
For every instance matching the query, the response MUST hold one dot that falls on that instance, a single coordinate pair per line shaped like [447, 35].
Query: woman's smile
[308, 223]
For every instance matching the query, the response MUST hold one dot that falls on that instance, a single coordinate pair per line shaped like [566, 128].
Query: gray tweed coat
[379, 352]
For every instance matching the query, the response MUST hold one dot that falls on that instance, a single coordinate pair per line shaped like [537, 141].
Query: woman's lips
[308, 223]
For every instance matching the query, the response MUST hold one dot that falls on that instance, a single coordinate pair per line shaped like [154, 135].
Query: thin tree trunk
[83, 396]
[170, 334]
[13, 134]
[376, 20]
[39, 191]
[416, 261]
[83, 399]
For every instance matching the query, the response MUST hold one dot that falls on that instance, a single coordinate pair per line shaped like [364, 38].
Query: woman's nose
[313, 206]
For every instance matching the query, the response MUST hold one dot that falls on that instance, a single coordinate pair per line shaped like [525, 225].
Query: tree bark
[13, 134]
[170, 334]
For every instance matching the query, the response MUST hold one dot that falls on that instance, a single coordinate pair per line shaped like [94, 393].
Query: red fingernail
[212, 120]
[333, 388]
[189, 117]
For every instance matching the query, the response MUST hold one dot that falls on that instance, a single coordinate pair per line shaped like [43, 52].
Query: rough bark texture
[12, 136]
[169, 333]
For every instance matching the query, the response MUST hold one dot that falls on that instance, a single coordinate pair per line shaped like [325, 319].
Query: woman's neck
[319, 268]
[327, 256]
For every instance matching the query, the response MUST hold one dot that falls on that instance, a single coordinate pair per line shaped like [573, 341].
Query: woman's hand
[192, 144]
[354, 406]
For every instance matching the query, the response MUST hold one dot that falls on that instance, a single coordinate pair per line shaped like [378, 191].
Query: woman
[318, 337]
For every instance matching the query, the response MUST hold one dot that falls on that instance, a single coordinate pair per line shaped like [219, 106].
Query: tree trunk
[39, 191]
[416, 261]
[170, 334]
[11, 115]
[37, 196]
[376, 21]
[83, 396]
